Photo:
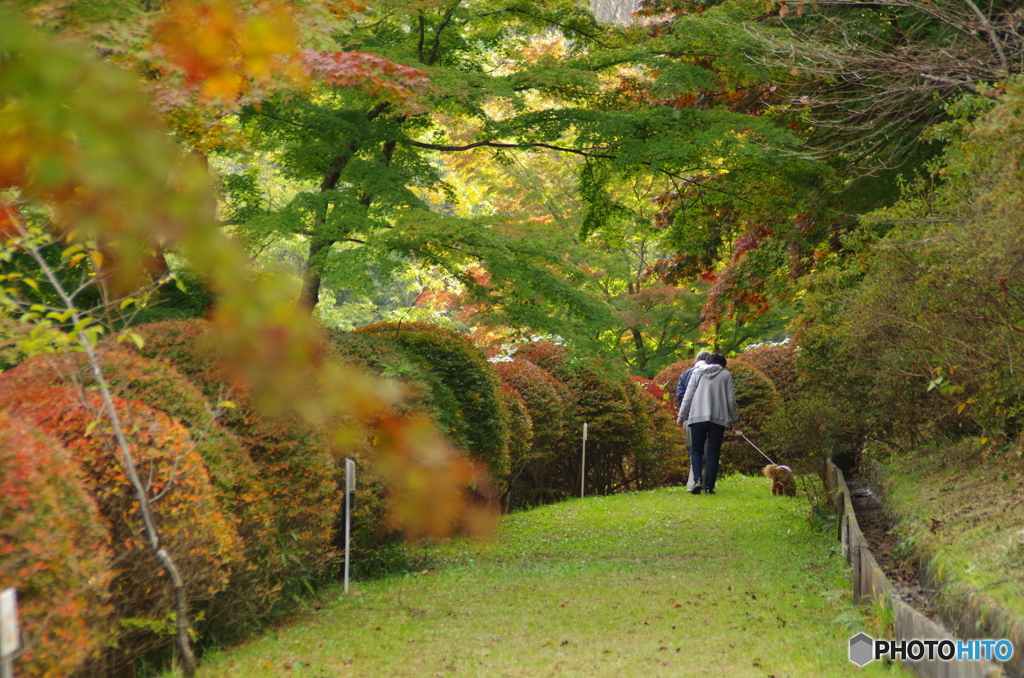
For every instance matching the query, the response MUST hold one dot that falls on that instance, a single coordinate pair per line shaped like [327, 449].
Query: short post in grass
[350, 490]
[10, 637]
[583, 461]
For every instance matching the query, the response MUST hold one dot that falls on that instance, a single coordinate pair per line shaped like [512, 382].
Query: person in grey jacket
[708, 408]
[684, 378]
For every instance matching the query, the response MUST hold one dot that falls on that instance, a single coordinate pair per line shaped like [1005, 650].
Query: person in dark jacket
[684, 378]
[708, 408]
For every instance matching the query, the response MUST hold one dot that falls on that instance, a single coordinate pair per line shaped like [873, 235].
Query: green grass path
[649, 584]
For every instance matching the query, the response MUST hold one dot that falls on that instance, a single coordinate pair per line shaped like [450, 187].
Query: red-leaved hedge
[54, 549]
[668, 378]
[547, 401]
[194, 529]
[293, 459]
[757, 400]
[778, 363]
[520, 439]
[600, 401]
[253, 591]
[659, 452]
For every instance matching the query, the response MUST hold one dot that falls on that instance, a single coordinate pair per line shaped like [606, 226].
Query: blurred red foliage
[292, 458]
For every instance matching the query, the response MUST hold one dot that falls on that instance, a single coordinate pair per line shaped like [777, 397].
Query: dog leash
[744, 436]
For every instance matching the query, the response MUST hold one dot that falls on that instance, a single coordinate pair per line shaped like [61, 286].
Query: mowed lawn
[658, 583]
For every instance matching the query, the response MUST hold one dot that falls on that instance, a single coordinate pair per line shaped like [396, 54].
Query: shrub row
[249, 503]
[195, 530]
[632, 442]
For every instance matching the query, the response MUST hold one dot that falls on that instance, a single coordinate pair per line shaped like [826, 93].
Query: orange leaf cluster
[223, 50]
[42, 161]
[9, 219]
[79, 140]
[432, 489]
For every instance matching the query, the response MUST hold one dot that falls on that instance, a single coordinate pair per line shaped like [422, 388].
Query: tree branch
[987, 25]
[498, 144]
[513, 10]
[437, 35]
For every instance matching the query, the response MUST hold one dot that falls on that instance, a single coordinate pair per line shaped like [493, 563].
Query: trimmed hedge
[293, 459]
[464, 370]
[756, 400]
[778, 363]
[668, 378]
[600, 402]
[660, 455]
[54, 549]
[658, 393]
[377, 548]
[194, 529]
[520, 447]
[254, 587]
[547, 403]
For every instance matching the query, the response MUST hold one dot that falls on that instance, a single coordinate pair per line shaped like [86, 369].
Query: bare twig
[127, 461]
[871, 98]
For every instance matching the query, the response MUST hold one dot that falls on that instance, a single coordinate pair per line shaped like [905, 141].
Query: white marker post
[350, 489]
[10, 637]
[583, 462]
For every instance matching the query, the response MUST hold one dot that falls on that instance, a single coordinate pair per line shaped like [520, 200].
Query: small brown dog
[782, 479]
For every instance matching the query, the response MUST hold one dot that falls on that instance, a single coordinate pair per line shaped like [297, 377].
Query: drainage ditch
[882, 575]
[884, 544]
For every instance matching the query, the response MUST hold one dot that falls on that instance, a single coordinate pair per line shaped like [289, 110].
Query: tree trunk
[311, 279]
[641, 348]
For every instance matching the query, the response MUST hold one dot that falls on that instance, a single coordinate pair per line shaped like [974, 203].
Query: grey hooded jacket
[709, 397]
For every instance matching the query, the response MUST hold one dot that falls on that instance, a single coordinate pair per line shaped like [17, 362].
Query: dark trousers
[705, 446]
